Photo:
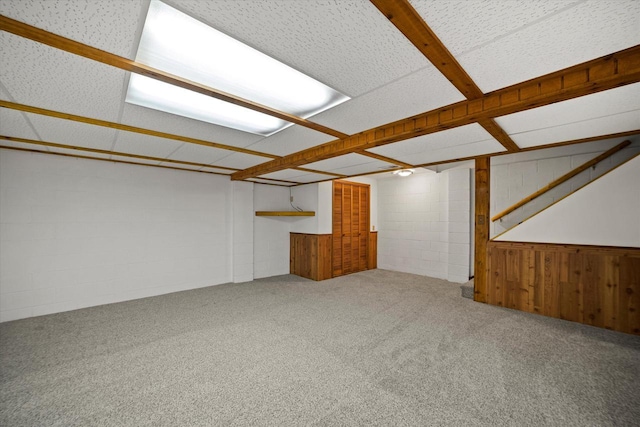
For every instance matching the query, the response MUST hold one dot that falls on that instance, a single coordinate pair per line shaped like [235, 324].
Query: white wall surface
[76, 233]
[606, 212]
[271, 234]
[516, 176]
[242, 220]
[305, 197]
[424, 224]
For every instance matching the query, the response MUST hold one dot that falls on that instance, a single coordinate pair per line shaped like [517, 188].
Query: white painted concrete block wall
[514, 177]
[271, 234]
[76, 233]
[242, 226]
[422, 220]
[459, 224]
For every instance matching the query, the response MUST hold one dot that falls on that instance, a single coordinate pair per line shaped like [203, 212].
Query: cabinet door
[350, 227]
[336, 259]
[363, 230]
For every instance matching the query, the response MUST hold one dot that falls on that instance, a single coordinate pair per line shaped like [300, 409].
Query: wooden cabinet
[350, 227]
[310, 255]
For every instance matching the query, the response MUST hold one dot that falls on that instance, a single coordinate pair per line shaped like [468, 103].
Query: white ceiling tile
[41, 76]
[339, 162]
[589, 30]
[623, 122]
[107, 25]
[284, 174]
[67, 132]
[14, 123]
[296, 176]
[464, 25]
[616, 110]
[347, 44]
[145, 145]
[456, 143]
[291, 140]
[350, 164]
[416, 93]
[147, 118]
[198, 153]
[240, 160]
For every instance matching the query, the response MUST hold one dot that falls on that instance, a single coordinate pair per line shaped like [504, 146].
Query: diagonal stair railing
[534, 203]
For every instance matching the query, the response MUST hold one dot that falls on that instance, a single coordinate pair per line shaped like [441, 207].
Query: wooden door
[350, 227]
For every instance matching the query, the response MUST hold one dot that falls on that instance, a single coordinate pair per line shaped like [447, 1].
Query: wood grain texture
[594, 285]
[350, 228]
[481, 237]
[544, 90]
[285, 213]
[41, 36]
[128, 128]
[79, 156]
[372, 256]
[563, 178]
[310, 255]
[406, 19]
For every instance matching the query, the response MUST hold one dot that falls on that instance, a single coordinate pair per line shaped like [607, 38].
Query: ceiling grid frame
[604, 73]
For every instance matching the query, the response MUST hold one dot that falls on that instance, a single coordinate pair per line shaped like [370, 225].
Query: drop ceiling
[349, 45]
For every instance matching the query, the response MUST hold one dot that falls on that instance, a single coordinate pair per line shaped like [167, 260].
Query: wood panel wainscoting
[310, 255]
[594, 285]
[372, 256]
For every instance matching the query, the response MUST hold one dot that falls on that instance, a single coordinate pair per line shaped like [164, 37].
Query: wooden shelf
[285, 213]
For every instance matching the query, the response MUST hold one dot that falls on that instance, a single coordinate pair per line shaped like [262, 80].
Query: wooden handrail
[562, 179]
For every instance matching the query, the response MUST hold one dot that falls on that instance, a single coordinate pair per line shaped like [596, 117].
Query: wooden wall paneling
[591, 298]
[570, 286]
[372, 261]
[481, 228]
[609, 290]
[551, 287]
[324, 257]
[538, 282]
[310, 255]
[628, 316]
[598, 286]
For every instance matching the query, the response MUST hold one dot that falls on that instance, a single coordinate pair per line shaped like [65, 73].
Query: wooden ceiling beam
[410, 23]
[71, 46]
[415, 29]
[128, 128]
[503, 153]
[120, 154]
[79, 156]
[109, 152]
[608, 72]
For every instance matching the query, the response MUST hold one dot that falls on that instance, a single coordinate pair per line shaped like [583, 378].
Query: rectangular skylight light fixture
[181, 45]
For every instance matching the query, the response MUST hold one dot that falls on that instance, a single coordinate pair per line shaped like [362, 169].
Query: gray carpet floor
[372, 348]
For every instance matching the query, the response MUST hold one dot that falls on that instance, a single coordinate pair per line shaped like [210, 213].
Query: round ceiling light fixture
[403, 172]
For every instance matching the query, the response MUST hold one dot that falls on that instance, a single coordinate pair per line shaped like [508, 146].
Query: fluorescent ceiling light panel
[181, 45]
